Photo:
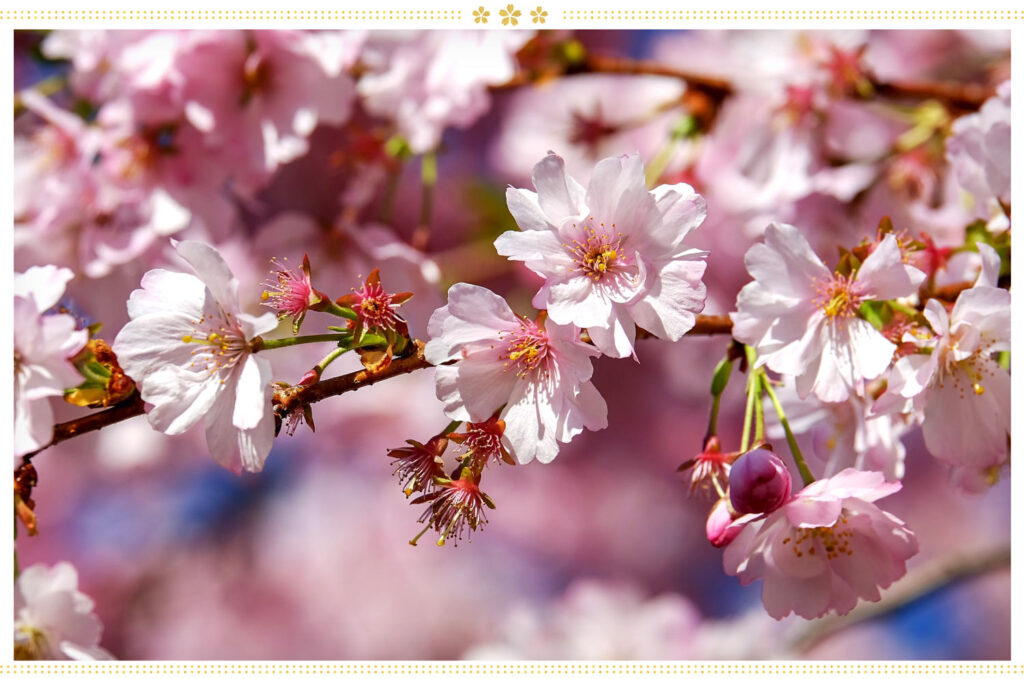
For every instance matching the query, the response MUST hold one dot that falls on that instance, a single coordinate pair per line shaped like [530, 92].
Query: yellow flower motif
[480, 15]
[538, 15]
[510, 14]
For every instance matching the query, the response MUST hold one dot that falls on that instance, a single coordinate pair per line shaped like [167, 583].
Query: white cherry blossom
[187, 346]
[537, 374]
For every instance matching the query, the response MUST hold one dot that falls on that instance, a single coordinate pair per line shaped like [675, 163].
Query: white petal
[213, 271]
[180, 397]
[44, 284]
[883, 274]
[668, 310]
[526, 210]
[165, 291]
[560, 196]
[252, 394]
[221, 435]
[681, 209]
[617, 340]
[574, 301]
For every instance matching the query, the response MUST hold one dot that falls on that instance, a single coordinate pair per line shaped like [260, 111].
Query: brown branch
[967, 96]
[83, 425]
[964, 96]
[296, 397]
[927, 580]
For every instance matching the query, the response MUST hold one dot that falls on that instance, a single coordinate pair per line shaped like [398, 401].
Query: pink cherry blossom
[43, 345]
[587, 117]
[979, 151]
[825, 549]
[265, 91]
[537, 374]
[612, 256]
[844, 434]
[962, 392]
[187, 346]
[429, 80]
[802, 318]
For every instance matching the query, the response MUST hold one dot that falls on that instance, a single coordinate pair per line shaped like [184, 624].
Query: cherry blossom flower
[587, 117]
[261, 93]
[826, 548]
[43, 345]
[612, 257]
[187, 346]
[52, 619]
[537, 374]
[844, 434]
[425, 82]
[802, 318]
[962, 392]
[595, 621]
[979, 152]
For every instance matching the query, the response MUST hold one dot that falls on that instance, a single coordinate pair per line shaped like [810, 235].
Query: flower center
[597, 253]
[291, 295]
[834, 540]
[220, 343]
[968, 373]
[375, 308]
[30, 643]
[837, 297]
[527, 348]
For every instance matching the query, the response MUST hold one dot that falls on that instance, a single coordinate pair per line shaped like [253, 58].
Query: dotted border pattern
[790, 15]
[232, 15]
[454, 15]
[544, 668]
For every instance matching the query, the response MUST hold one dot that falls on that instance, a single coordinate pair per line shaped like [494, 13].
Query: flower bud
[759, 482]
[721, 527]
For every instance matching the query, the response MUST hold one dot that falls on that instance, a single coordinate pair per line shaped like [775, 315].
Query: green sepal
[721, 377]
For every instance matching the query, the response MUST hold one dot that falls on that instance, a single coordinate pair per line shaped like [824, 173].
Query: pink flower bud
[759, 482]
[721, 528]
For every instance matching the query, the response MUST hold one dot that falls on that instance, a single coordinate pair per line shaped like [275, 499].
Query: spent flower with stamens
[291, 294]
[483, 441]
[375, 309]
[418, 464]
[710, 469]
[456, 505]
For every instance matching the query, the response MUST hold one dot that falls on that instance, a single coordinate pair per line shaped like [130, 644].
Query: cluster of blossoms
[193, 135]
[613, 259]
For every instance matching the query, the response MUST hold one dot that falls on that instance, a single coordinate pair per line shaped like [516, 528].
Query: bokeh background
[598, 555]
